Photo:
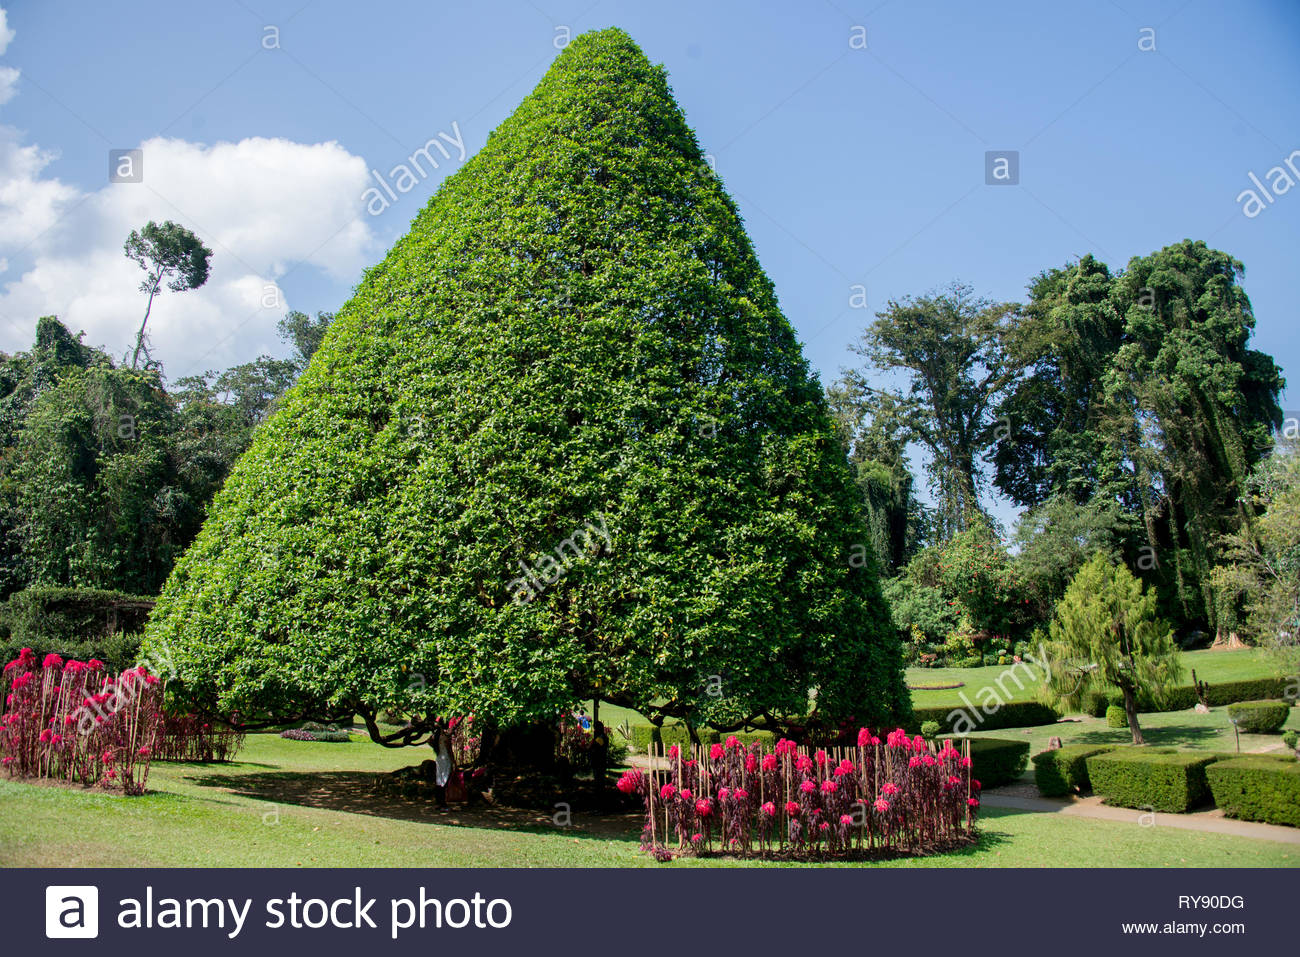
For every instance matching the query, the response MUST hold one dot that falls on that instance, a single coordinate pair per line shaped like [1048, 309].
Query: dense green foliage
[105, 473]
[1142, 390]
[1106, 634]
[995, 761]
[1008, 714]
[560, 444]
[1159, 779]
[1259, 717]
[1257, 787]
[1182, 697]
[1061, 771]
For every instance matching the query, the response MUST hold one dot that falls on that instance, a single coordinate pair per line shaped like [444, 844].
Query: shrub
[1259, 717]
[189, 737]
[1065, 770]
[51, 619]
[899, 795]
[1290, 739]
[996, 761]
[1159, 778]
[1116, 716]
[311, 731]
[1013, 714]
[1182, 697]
[929, 728]
[1257, 787]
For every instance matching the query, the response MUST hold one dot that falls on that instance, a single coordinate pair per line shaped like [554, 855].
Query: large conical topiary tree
[560, 444]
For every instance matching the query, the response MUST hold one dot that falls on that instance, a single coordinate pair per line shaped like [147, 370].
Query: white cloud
[264, 207]
[8, 75]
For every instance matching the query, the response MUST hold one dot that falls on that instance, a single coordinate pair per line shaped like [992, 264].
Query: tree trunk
[1131, 712]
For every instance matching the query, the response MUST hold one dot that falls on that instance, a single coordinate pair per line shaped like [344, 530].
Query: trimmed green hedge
[1259, 717]
[644, 735]
[994, 761]
[1013, 714]
[1259, 787]
[80, 623]
[1065, 770]
[1184, 696]
[1116, 716]
[1158, 778]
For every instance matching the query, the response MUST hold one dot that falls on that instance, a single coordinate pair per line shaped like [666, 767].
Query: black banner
[656, 910]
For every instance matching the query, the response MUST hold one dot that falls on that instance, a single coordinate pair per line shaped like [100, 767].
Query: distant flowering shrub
[905, 795]
[189, 737]
[74, 721]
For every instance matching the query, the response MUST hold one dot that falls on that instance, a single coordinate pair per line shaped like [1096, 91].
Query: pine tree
[561, 444]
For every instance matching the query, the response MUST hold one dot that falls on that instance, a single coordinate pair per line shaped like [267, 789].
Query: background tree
[305, 334]
[1107, 633]
[575, 334]
[951, 348]
[167, 253]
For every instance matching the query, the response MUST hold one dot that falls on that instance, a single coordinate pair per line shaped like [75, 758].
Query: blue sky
[260, 121]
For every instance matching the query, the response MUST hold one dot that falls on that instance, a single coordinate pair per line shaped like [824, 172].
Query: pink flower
[716, 752]
[807, 787]
[791, 808]
[733, 741]
[724, 793]
[823, 826]
[703, 808]
[953, 779]
[52, 660]
[144, 752]
[769, 762]
[973, 802]
[46, 735]
[846, 819]
[864, 737]
[741, 794]
[842, 770]
[881, 805]
[889, 788]
[828, 786]
[964, 762]
[822, 757]
[751, 763]
[674, 751]
[697, 838]
[769, 808]
[630, 781]
[918, 743]
[686, 794]
[914, 762]
[94, 664]
[667, 791]
[803, 763]
[975, 783]
[786, 745]
[928, 760]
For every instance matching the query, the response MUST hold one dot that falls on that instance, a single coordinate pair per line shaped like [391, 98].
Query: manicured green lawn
[289, 804]
[1212, 666]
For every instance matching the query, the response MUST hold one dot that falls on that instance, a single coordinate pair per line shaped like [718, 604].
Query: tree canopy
[560, 444]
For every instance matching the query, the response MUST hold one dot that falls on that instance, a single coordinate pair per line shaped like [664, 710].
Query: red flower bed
[898, 796]
[75, 722]
[189, 737]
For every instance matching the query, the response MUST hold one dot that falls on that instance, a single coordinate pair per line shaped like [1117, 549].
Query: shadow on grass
[355, 792]
[1181, 735]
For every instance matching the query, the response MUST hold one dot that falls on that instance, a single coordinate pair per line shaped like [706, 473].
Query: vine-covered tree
[560, 445]
[952, 348]
[1107, 633]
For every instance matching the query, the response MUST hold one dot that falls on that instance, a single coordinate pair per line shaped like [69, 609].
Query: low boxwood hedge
[1183, 697]
[1065, 770]
[1158, 778]
[1259, 717]
[1257, 787]
[994, 761]
[1012, 714]
[645, 735]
